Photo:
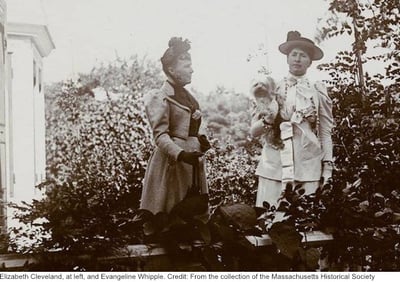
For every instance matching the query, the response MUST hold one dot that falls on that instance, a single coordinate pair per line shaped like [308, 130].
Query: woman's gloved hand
[204, 143]
[191, 158]
[326, 176]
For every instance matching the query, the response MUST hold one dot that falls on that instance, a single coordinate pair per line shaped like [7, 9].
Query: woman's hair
[176, 47]
[305, 49]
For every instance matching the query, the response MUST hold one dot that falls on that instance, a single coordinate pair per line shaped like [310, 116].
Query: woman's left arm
[205, 144]
[326, 123]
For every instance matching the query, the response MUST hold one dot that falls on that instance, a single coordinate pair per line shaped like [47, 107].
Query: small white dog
[262, 90]
[266, 106]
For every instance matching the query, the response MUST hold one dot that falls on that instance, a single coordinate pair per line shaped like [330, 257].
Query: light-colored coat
[166, 179]
[309, 150]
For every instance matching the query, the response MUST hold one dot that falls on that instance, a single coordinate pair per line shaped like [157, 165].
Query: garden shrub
[97, 153]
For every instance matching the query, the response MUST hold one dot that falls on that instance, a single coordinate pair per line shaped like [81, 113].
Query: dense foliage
[227, 115]
[230, 173]
[98, 151]
[363, 202]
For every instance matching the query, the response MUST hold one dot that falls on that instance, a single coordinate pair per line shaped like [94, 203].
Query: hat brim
[286, 47]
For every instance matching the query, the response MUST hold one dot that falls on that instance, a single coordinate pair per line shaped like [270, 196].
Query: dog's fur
[263, 91]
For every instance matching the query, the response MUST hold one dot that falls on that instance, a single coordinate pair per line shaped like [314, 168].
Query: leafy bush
[97, 153]
[227, 115]
[231, 173]
[362, 204]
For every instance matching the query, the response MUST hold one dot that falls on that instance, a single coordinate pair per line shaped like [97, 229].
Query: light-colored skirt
[271, 190]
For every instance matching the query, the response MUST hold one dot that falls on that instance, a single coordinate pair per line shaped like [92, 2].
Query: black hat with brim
[294, 40]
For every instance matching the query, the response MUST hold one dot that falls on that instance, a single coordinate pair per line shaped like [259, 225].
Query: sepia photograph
[199, 140]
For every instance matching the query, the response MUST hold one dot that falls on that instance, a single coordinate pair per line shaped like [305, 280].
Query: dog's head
[262, 87]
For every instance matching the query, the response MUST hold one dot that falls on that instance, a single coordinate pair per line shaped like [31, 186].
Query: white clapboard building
[27, 42]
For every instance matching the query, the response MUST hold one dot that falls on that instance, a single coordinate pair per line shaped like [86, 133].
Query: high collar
[173, 88]
[180, 100]
[168, 89]
[174, 85]
[296, 79]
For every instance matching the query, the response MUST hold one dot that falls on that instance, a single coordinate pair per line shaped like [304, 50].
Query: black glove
[191, 158]
[204, 143]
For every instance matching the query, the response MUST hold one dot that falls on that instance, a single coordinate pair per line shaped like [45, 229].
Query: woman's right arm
[258, 126]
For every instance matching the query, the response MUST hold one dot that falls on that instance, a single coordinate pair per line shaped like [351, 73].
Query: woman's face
[182, 70]
[298, 61]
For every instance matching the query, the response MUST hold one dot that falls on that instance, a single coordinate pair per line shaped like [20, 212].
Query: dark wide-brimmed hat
[294, 40]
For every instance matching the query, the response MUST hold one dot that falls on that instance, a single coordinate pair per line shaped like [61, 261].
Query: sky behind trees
[223, 34]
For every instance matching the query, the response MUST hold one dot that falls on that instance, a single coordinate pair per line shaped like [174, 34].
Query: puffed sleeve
[157, 111]
[326, 121]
